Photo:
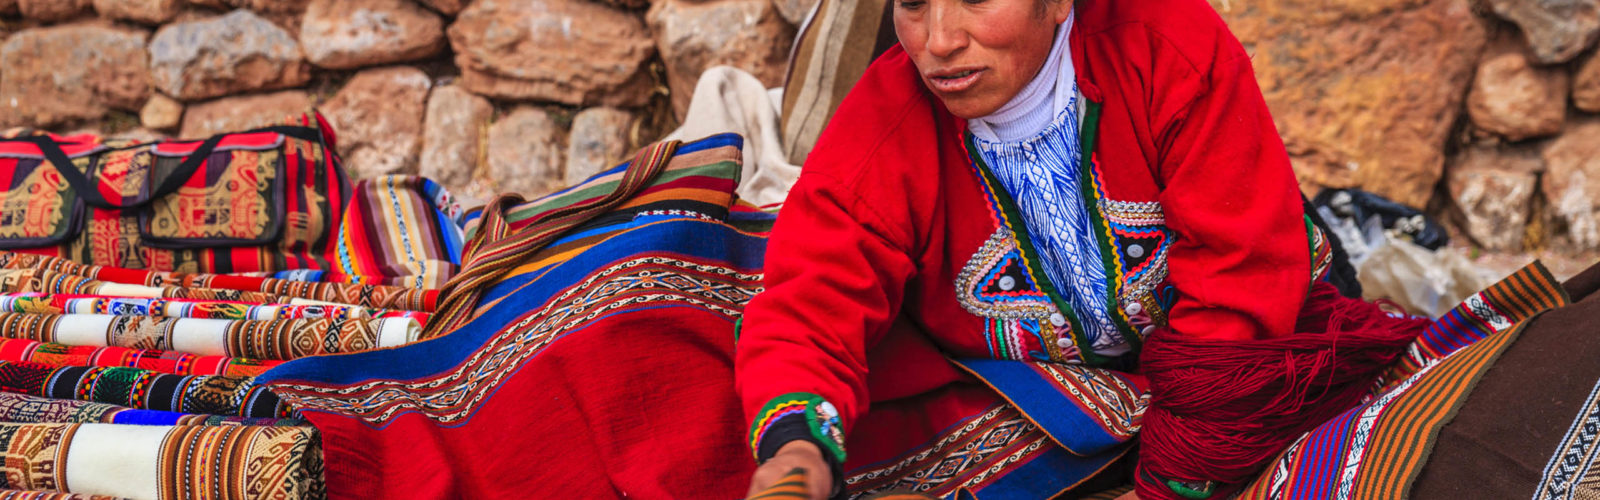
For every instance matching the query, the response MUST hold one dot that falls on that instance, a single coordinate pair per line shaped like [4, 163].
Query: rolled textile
[171, 308]
[319, 276]
[163, 462]
[173, 362]
[49, 495]
[278, 339]
[379, 296]
[25, 409]
[50, 282]
[143, 389]
[196, 308]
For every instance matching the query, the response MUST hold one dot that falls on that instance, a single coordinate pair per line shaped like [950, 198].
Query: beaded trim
[820, 416]
[985, 268]
[1145, 222]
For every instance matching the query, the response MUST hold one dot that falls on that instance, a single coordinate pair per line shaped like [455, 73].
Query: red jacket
[891, 250]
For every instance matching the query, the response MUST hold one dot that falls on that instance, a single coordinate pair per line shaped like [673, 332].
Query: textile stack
[145, 288]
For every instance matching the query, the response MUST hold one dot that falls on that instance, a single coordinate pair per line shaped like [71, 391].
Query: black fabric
[1362, 206]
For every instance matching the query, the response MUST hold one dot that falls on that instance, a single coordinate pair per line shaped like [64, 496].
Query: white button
[1058, 320]
[1135, 250]
[1133, 308]
[1064, 343]
[1007, 283]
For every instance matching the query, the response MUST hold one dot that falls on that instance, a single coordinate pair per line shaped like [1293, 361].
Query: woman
[1041, 185]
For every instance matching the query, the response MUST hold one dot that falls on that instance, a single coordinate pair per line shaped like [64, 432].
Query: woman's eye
[911, 4]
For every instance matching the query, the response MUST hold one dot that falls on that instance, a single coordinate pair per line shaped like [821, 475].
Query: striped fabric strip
[792, 486]
[494, 250]
[704, 173]
[1522, 295]
[1377, 449]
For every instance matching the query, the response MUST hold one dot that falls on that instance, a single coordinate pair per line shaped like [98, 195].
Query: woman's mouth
[954, 81]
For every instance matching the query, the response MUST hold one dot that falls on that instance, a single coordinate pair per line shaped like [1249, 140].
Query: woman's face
[975, 55]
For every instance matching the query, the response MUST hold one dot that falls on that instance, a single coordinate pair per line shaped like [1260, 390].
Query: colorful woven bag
[267, 199]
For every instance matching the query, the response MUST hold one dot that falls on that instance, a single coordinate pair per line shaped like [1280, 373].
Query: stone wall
[1487, 112]
[486, 96]
[1482, 111]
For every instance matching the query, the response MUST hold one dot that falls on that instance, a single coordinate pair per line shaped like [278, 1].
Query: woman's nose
[946, 35]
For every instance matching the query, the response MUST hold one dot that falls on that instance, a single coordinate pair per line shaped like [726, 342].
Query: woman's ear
[1059, 10]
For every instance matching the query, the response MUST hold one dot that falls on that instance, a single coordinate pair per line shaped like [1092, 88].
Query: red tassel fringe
[1221, 409]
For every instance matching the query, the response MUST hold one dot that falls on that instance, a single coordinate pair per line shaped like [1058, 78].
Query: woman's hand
[795, 455]
[1130, 495]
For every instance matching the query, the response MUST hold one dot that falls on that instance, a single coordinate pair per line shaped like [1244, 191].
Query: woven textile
[143, 389]
[261, 200]
[1529, 428]
[508, 231]
[53, 275]
[833, 49]
[49, 495]
[163, 462]
[190, 308]
[277, 339]
[55, 283]
[173, 362]
[1375, 450]
[401, 226]
[697, 182]
[24, 409]
[698, 179]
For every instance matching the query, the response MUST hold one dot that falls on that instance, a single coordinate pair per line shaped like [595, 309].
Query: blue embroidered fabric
[1042, 174]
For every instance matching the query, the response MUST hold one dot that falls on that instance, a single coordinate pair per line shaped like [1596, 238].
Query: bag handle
[89, 191]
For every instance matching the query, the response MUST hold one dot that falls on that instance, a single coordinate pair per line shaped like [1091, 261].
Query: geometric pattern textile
[163, 462]
[276, 339]
[143, 389]
[1377, 449]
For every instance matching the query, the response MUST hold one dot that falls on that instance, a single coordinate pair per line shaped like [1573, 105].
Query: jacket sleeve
[834, 283]
[1241, 265]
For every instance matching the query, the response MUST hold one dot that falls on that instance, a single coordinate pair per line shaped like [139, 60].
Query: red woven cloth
[1221, 409]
